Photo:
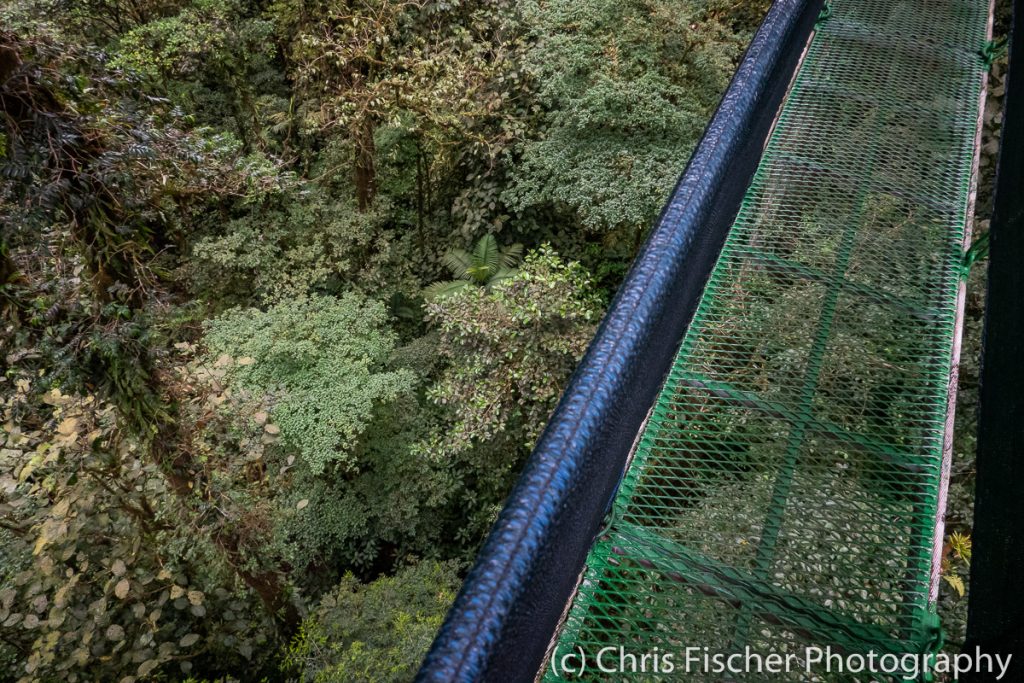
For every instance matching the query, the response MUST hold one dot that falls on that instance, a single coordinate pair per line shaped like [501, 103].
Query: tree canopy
[288, 289]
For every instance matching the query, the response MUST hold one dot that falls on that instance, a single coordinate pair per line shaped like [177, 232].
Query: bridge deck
[788, 486]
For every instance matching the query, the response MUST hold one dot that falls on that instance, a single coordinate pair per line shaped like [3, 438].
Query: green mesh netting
[785, 488]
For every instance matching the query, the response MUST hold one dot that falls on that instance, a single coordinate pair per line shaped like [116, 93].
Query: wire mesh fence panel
[784, 491]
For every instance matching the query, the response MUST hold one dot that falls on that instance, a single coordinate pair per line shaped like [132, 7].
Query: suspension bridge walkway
[756, 449]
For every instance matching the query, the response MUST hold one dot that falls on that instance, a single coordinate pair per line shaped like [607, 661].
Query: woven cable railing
[788, 487]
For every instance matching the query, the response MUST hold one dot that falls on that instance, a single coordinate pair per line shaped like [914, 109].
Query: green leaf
[148, 667]
[512, 256]
[440, 290]
[458, 263]
[956, 582]
[486, 258]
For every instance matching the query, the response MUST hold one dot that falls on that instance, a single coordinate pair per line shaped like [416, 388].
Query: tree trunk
[365, 167]
[420, 200]
[7, 268]
[638, 239]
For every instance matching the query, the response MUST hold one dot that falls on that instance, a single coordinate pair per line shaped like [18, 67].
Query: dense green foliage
[323, 359]
[288, 289]
[510, 349]
[375, 632]
[626, 88]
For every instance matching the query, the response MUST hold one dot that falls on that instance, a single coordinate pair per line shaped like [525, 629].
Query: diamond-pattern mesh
[784, 491]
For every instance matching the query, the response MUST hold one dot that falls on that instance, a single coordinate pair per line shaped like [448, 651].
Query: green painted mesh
[784, 491]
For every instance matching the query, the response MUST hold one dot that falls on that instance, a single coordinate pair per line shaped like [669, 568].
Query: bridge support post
[996, 605]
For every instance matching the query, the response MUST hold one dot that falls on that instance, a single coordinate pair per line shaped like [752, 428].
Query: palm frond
[512, 255]
[487, 253]
[458, 263]
[440, 290]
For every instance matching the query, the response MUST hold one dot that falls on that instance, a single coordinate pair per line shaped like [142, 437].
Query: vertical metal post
[996, 605]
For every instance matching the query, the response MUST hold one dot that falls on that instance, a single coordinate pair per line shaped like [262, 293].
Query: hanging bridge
[755, 450]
